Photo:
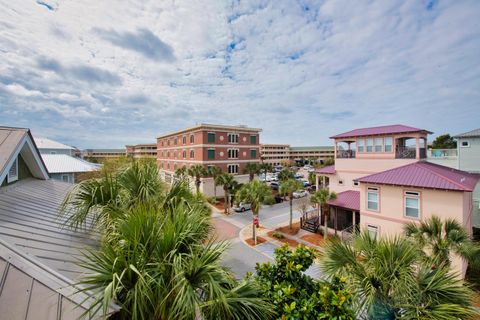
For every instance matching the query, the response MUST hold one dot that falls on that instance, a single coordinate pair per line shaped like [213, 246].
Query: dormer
[19, 156]
[385, 142]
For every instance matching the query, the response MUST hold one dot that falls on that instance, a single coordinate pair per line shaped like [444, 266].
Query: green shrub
[278, 235]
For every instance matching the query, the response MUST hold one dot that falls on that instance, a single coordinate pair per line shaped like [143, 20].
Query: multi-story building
[99, 155]
[315, 153]
[147, 150]
[228, 147]
[277, 154]
[382, 181]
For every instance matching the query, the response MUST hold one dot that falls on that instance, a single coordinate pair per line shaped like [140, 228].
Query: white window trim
[411, 194]
[467, 146]
[12, 178]
[233, 149]
[372, 226]
[233, 134]
[233, 165]
[378, 198]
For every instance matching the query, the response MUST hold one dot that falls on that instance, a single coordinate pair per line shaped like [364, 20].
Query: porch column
[336, 218]
[323, 181]
[317, 181]
[417, 148]
[354, 216]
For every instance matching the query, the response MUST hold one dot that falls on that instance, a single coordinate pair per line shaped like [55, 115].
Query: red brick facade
[222, 146]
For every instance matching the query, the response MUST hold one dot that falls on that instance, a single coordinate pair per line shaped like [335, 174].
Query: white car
[300, 194]
[242, 207]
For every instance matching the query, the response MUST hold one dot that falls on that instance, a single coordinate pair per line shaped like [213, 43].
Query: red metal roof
[347, 199]
[326, 170]
[396, 128]
[424, 174]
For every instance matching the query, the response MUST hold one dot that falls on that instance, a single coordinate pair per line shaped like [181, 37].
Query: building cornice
[215, 127]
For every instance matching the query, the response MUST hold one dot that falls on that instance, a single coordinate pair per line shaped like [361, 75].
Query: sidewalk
[268, 248]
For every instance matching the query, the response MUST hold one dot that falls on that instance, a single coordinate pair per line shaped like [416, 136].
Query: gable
[18, 149]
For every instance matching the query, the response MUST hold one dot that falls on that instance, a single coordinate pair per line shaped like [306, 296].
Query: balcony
[409, 153]
[442, 153]
[345, 154]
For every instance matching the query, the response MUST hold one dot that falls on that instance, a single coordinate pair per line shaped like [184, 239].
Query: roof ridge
[442, 176]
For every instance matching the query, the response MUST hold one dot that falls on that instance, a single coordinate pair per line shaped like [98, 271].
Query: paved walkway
[236, 227]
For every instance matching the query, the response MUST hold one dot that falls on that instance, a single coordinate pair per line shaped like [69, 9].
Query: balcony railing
[345, 154]
[442, 153]
[409, 153]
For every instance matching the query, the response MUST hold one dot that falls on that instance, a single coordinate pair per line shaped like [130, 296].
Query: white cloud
[301, 70]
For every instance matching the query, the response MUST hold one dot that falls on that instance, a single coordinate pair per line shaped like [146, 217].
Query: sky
[102, 74]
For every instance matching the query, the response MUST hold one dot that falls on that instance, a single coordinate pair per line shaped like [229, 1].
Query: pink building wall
[390, 218]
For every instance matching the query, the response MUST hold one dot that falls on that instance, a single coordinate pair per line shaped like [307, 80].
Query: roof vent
[462, 180]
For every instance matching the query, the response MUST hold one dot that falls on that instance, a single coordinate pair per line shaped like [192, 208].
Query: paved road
[240, 257]
[269, 216]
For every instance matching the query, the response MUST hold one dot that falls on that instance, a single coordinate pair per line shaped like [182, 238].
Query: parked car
[242, 207]
[305, 183]
[299, 176]
[278, 199]
[300, 194]
[274, 185]
[312, 189]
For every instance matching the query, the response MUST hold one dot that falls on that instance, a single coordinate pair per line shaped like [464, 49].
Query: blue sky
[108, 73]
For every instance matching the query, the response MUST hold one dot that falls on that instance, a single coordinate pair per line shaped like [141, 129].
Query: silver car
[242, 207]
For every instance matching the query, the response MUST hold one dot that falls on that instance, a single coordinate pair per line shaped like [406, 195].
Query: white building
[60, 161]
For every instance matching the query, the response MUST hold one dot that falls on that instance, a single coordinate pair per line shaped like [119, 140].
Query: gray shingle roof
[469, 134]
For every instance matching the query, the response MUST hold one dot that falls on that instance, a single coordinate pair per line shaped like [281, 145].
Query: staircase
[311, 224]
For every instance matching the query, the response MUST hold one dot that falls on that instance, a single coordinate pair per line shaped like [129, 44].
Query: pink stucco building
[382, 181]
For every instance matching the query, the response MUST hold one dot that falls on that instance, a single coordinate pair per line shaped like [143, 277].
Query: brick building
[227, 147]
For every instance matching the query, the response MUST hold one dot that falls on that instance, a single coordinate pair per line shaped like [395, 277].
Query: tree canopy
[299, 296]
[445, 141]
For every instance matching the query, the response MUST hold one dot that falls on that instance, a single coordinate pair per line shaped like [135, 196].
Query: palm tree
[321, 198]
[391, 280]
[265, 168]
[252, 168]
[160, 264]
[312, 178]
[197, 172]
[156, 259]
[181, 172]
[102, 199]
[226, 180]
[316, 202]
[438, 239]
[214, 172]
[285, 174]
[288, 187]
[255, 193]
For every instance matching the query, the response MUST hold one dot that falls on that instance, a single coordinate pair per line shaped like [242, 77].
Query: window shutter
[13, 172]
